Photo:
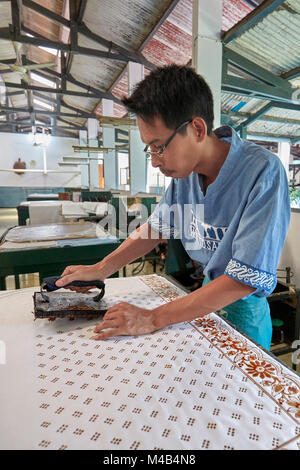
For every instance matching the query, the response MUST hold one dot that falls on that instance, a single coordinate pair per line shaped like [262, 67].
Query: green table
[96, 196]
[42, 197]
[23, 214]
[52, 261]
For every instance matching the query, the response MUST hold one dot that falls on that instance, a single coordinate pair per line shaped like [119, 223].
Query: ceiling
[92, 42]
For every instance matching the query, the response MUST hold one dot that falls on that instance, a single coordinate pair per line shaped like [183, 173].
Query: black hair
[175, 93]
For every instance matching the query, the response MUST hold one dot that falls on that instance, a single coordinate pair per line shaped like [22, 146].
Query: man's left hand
[125, 319]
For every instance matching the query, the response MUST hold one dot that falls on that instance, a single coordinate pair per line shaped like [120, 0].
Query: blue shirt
[239, 226]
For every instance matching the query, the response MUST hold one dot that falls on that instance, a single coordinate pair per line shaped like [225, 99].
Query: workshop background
[68, 146]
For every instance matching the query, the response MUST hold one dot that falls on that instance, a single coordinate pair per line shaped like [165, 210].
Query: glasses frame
[163, 147]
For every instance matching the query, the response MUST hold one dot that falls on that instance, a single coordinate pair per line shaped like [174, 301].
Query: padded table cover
[61, 231]
[193, 385]
[45, 212]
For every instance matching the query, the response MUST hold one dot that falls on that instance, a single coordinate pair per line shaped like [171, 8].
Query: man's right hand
[80, 273]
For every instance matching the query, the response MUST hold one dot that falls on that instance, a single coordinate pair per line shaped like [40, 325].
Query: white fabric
[45, 212]
[75, 209]
[82, 209]
[198, 385]
[99, 208]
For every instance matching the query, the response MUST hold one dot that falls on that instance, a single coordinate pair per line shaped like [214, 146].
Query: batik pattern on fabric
[193, 385]
[251, 276]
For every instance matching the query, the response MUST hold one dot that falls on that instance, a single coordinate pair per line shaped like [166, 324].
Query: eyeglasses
[160, 150]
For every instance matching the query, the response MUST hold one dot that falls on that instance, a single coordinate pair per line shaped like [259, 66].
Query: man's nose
[155, 161]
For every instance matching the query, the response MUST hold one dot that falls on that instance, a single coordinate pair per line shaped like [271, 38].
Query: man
[237, 219]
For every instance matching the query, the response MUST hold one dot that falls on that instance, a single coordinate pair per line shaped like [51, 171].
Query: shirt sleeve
[163, 218]
[261, 233]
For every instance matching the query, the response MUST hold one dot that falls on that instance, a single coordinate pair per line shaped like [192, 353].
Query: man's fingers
[116, 308]
[106, 324]
[69, 270]
[65, 280]
[82, 290]
[111, 312]
[112, 324]
[108, 334]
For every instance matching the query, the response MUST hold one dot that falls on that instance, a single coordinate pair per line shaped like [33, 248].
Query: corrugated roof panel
[74, 120]
[86, 104]
[65, 122]
[172, 43]
[13, 78]
[42, 26]
[54, 5]
[274, 43]
[38, 55]
[84, 41]
[234, 12]
[162, 54]
[182, 16]
[7, 50]
[5, 14]
[5, 76]
[270, 127]
[230, 101]
[19, 101]
[95, 72]
[98, 73]
[125, 23]
[82, 103]
[284, 113]
[253, 105]
[39, 23]
[119, 111]
[24, 116]
[174, 37]
[121, 89]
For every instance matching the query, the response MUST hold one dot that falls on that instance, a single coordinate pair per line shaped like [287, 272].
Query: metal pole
[45, 159]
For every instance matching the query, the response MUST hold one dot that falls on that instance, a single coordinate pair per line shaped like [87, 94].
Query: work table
[194, 385]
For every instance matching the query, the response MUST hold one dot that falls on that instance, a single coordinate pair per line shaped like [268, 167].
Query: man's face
[179, 158]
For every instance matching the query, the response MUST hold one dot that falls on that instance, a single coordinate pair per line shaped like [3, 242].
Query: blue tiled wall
[11, 196]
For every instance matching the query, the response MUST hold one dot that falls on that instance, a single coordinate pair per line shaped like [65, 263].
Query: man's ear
[200, 129]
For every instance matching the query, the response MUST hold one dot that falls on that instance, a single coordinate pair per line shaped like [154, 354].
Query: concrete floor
[9, 218]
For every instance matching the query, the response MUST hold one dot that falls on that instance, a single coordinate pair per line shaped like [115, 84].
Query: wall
[290, 253]
[13, 146]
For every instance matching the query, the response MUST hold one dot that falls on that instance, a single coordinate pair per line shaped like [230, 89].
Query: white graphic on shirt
[206, 235]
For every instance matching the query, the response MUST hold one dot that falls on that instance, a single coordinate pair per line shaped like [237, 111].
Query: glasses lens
[154, 153]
